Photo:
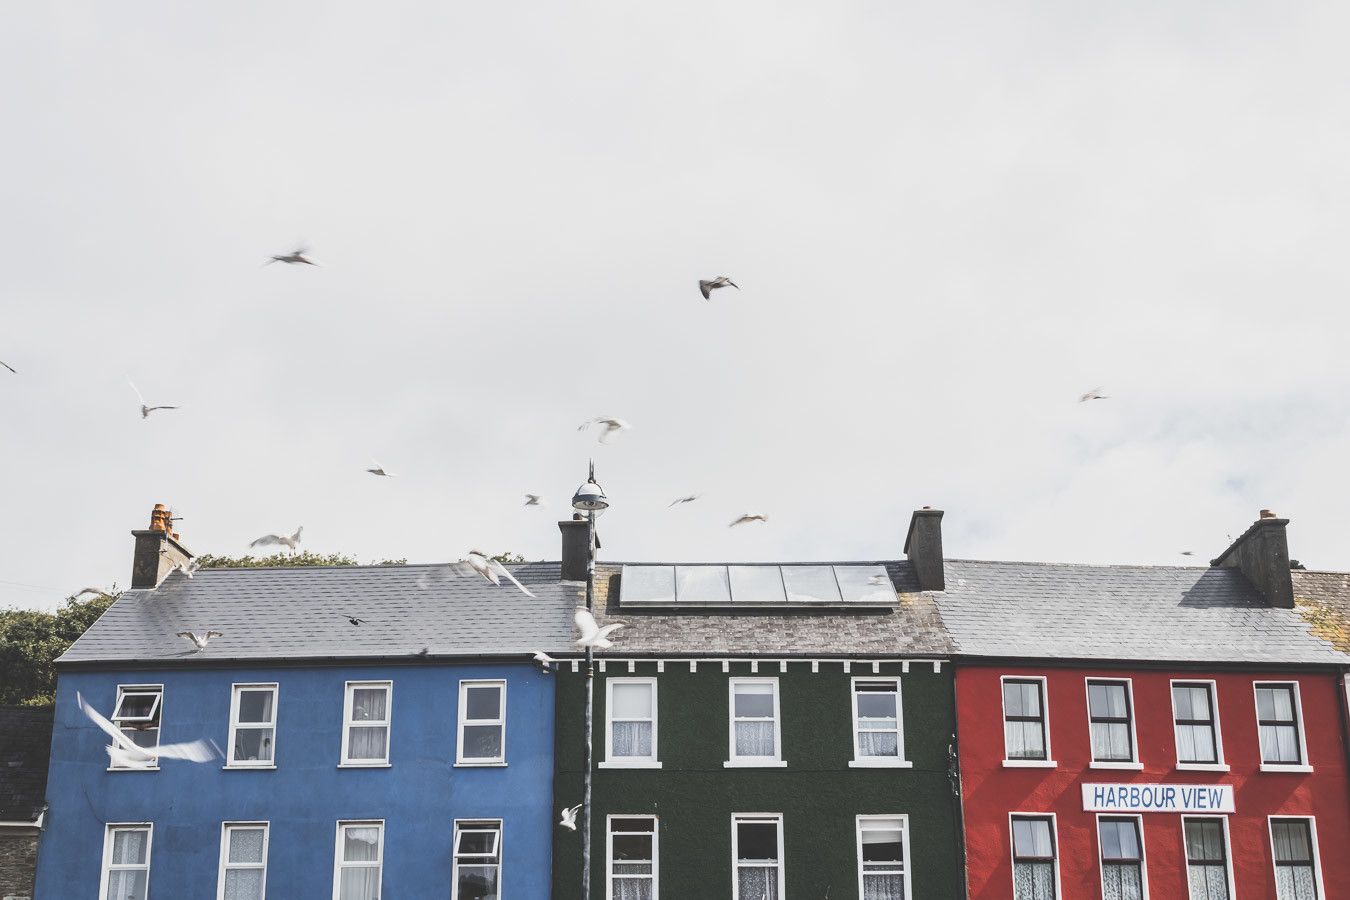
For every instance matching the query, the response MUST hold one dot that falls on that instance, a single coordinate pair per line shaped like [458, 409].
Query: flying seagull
[721, 281]
[353, 619]
[592, 635]
[608, 427]
[1094, 394]
[7, 366]
[126, 754]
[1187, 552]
[493, 571]
[543, 659]
[201, 640]
[290, 541]
[292, 258]
[534, 500]
[569, 817]
[678, 500]
[97, 592]
[146, 409]
[379, 470]
[749, 517]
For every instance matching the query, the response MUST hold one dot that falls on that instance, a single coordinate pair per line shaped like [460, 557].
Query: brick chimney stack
[157, 550]
[923, 547]
[1262, 554]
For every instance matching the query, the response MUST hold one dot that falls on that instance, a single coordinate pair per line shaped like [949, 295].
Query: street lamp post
[590, 498]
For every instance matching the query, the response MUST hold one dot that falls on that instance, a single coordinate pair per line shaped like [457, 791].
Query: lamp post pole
[590, 711]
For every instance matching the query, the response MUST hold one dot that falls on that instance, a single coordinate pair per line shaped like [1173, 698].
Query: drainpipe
[954, 774]
[590, 712]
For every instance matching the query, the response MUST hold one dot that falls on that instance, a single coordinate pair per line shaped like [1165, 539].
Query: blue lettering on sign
[1171, 796]
[1099, 795]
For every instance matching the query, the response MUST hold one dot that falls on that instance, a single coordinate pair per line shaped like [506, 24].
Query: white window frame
[905, 870]
[500, 721]
[609, 851]
[736, 819]
[880, 762]
[1227, 849]
[1321, 884]
[1143, 851]
[629, 762]
[1133, 763]
[1219, 765]
[106, 868]
[339, 864]
[1018, 763]
[157, 709]
[349, 693]
[225, 864]
[468, 825]
[1012, 849]
[1306, 764]
[734, 761]
[235, 691]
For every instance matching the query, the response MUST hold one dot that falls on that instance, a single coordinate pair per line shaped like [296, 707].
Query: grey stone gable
[25, 747]
[1133, 613]
[301, 613]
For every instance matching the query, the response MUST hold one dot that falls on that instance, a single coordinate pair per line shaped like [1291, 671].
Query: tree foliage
[30, 642]
[286, 560]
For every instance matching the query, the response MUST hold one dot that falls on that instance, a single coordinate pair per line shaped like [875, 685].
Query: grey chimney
[157, 550]
[923, 547]
[575, 553]
[1262, 554]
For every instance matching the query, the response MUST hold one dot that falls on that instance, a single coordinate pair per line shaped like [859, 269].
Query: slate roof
[25, 747]
[301, 613]
[1323, 600]
[1135, 613]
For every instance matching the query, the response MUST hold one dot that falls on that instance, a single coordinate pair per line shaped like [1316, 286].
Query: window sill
[133, 768]
[1276, 767]
[1127, 766]
[1202, 767]
[365, 765]
[485, 764]
[622, 764]
[243, 767]
[1029, 764]
[882, 763]
[754, 764]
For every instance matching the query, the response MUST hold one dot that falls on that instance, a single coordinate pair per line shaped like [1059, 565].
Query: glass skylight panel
[865, 584]
[648, 584]
[810, 584]
[757, 584]
[701, 584]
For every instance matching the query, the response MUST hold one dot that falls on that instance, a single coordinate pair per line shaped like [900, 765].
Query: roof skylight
[756, 585]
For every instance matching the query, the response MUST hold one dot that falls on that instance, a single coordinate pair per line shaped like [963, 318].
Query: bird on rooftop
[379, 470]
[608, 427]
[707, 287]
[678, 500]
[569, 817]
[292, 541]
[126, 754]
[146, 409]
[298, 256]
[544, 660]
[1094, 394]
[592, 635]
[749, 517]
[8, 366]
[188, 568]
[200, 640]
[534, 500]
[493, 571]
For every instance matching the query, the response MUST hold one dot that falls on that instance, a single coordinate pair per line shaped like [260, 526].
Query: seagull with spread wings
[707, 287]
[1094, 394]
[199, 640]
[8, 366]
[569, 817]
[379, 470]
[97, 592]
[534, 500]
[298, 256]
[146, 409]
[592, 635]
[679, 500]
[748, 517]
[493, 571]
[608, 427]
[289, 541]
[126, 754]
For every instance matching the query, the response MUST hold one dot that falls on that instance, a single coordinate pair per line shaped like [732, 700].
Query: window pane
[632, 846]
[1034, 881]
[883, 847]
[1031, 837]
[255, 706]
[359, 884]
[702, 584]
[126, 885]
[477, 842]
[483, 702]
[632, 739]
[811, 584]
[482, 742]
[1291, 841]
[1111, 741]
[649, 584]
[757, 841]
[757, 883]
[632, 701]
[633, 825]
[1209, 882]
[360, 843]
[244, 884]
[856, 584]
[1107, 700]
[136, 705]
[754, 739]
[756, 584]
[754, 700]
[1119, 839]
[872, 705]
[883, 887]
[1122, 881]
[129, 847]
[246, 845]
[366, 742]
[368, 704]
[253, 744]
[1279, 743]
[878, 743]
[1024, 740]
[477, 883]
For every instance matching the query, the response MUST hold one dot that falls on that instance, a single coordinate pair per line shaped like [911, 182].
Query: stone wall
[18, 862]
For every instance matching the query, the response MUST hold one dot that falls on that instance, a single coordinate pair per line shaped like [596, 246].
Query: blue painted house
[407, 756]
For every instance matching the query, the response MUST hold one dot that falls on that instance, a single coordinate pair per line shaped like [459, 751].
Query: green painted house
[763, 732]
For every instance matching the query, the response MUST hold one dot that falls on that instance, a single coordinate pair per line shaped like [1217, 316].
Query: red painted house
[1148, 733]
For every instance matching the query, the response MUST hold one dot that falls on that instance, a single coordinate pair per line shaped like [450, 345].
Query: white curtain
[878, 743]
[1033, 881]
[754, 739]
[631, 889]
[246, 845]
[1122, 883]
[1195, 743]
[129, 847]
[359, 884]
[126, 885]
[244, 884]
[757, 883]
[1110, 740]
[1295, 883]
[1024, 740]
[883, 887]
[368, 704]
[632, 739]
[1209, 882]
[367, 742]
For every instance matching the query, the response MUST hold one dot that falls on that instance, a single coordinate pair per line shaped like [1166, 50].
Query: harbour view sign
[1166, 798]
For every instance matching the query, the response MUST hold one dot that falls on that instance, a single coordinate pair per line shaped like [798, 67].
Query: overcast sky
[948, 220]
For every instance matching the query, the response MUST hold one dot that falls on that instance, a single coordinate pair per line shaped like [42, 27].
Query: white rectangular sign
[1171, 798]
